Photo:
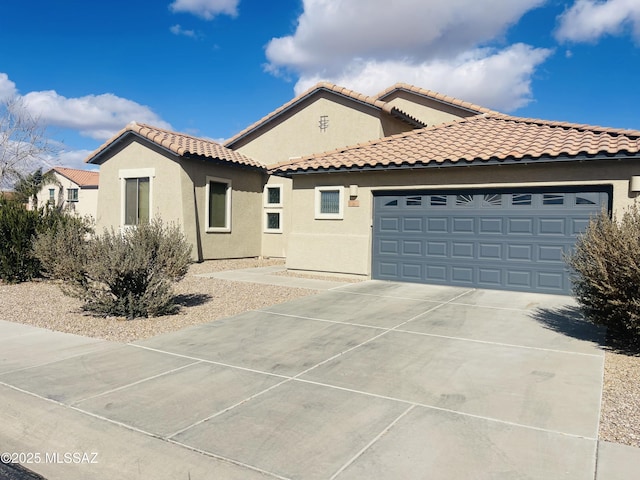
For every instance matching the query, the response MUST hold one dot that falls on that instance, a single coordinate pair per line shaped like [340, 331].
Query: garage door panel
[551, 226]
[412, 247]
[412, 224]
[520, 226]
[491, 226]
[462, 250]
[462, 225]
[437, 225]
[389, 246]
[520, 253]
[489, 251]
[551, 253]
[512, 240]
[462, 274]
[390, 225]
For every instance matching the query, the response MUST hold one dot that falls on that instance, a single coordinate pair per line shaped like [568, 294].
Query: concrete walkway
[373, 380]
[269, 276]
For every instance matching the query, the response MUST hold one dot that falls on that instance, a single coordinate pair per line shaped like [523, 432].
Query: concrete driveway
[374, 380]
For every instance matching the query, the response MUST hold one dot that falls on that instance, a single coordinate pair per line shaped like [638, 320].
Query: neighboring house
[75, 191]
[412, 186]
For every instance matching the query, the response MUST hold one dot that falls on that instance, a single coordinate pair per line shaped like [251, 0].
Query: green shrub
[17, 228]
[127, 274]
[606, 264]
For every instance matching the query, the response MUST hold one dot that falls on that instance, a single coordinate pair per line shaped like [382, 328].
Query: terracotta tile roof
[434, 96]
[180, 144]
[82, 178]
[359, 97]
[476, 139]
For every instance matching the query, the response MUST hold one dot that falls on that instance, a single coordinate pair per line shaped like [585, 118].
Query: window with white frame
[218, 206]
[72, 194]
[273, 221]
[273, 195]
[136, 200]
[329, 203]
[52, 196]
[273, 208]
[136, 195]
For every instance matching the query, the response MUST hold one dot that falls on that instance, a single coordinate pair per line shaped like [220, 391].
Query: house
[406, 185]
[74, 191]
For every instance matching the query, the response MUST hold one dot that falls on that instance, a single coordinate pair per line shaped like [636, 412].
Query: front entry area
[499, 239]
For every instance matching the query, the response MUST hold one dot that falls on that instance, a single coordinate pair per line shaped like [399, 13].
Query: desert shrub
[128, 274]
[17, 228]
[61, 246]
[606, 265]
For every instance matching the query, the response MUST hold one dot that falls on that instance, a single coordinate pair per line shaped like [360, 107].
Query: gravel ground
[42, 304]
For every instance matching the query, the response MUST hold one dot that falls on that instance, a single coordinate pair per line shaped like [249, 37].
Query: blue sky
[212, 67]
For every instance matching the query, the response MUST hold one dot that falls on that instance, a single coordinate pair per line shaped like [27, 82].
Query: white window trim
[227, 226]
[266, 195]
[266, 228]
[329, 216]
[123, 175]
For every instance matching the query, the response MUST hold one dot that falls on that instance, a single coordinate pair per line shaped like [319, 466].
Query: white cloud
[72, 159]
[500, 80]
[95, 116]
[206, 9]
[178, 30]
[430, 43]
[588, 20]
[7, 88]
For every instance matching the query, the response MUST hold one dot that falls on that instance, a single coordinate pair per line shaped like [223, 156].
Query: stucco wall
[345, 245]
[165, 188]
[245, 237]
[178, 195]
[428, 111]
[298, 133]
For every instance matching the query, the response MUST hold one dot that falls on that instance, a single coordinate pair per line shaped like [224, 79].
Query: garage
[500, 239]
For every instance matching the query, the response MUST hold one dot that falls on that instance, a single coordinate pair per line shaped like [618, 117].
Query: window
[329, 203]
[438, 200]
[72, 194]
[273, 195]
[273, 208]
[136, 201]
[414, 201]
[136, 195]
[521, 199]
[273, 221]
[553, 199]
[218, 208]
[52, 196]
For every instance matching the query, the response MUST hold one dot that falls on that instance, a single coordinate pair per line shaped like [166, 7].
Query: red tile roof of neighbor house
[180, 144]
[82, 178]
[482, 138]
[373, 101]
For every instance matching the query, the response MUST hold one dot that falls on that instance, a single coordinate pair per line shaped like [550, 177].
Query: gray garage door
[513, 240]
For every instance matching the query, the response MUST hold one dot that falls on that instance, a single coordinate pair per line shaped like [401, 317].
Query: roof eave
[458, 163]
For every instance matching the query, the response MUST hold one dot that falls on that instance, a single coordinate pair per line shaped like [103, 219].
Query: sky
[210, 68]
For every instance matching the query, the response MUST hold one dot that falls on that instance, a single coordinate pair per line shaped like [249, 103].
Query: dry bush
[606, 264]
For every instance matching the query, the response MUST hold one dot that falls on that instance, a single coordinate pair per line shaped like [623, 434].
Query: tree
[23, 143]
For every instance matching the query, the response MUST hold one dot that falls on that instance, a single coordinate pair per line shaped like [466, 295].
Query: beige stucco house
[406, 185]
[75, 191]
